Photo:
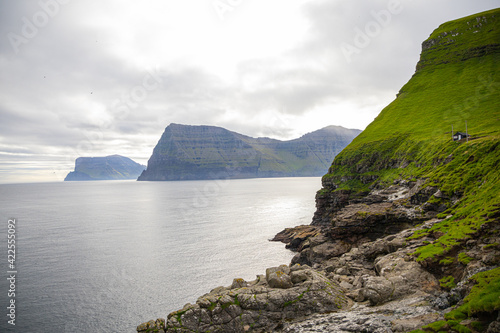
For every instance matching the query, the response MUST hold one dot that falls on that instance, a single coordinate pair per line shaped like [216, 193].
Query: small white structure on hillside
[459, 136]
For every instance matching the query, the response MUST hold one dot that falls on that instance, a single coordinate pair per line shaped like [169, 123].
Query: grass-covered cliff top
[411, 138]
[458, 40]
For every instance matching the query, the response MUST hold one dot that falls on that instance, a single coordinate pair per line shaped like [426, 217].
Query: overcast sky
[102, 77]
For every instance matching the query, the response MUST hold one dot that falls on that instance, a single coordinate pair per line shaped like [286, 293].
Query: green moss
[457, 327]
[484, 297]
[297, 299]
[236, 301]
[491, 246]
[212, 306]
[447, 282]
[323, 191]
[464, 258]
[478, 326]
[447, 261]
[362, 214]
[456, 315]
[178, 316]
[418, 234]
[436, 326]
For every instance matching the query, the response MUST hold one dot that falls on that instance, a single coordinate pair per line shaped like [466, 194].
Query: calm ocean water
[106, 256]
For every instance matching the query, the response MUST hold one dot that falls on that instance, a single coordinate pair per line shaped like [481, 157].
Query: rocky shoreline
[357, 274]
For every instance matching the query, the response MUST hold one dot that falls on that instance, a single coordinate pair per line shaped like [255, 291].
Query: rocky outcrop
[208, 152]
[266, 304]
[294, 237]
[357, 221]
[382, 274]
[113, 167]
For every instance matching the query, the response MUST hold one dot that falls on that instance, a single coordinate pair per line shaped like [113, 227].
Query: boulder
[376, 289]
[407, 276]
[277, 277]
[397, 278]
[299, 276]
[239, 283]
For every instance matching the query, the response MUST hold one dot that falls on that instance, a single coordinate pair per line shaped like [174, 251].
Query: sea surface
[106, 256]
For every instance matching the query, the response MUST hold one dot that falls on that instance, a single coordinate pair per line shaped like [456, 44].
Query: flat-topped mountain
[208, 152]
[113, 167]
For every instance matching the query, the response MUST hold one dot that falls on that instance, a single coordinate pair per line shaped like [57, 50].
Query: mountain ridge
[187, 152]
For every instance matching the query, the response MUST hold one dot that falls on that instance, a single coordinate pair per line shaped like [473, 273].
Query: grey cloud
[378, 69]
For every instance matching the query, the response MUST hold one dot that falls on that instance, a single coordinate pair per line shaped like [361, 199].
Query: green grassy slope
[457, 80]
[411, 137]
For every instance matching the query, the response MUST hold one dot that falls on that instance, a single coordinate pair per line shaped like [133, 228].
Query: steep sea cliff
[112, 167]
[207, 152]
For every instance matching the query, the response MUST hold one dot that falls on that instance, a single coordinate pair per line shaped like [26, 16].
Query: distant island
[113, 167]
[207, 152]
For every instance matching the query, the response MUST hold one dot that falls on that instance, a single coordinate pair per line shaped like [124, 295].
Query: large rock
[277, 277]
[397, 278]
[377, 290]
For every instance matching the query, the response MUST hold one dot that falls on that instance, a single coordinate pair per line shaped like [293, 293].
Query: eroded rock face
[382, 270]
[328, 202]
[284, 294]
[371, 221]
[357, 221]
[341, 222]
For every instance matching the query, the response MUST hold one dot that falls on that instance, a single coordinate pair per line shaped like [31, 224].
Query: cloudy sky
[101, 77]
